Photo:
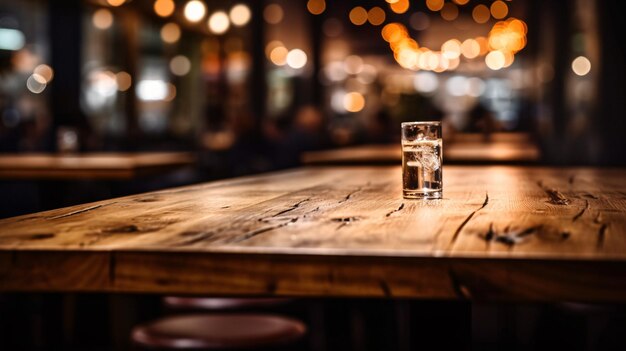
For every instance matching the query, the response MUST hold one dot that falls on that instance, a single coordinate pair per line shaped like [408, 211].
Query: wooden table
[469, 148]
[500, 232]
[89, 165]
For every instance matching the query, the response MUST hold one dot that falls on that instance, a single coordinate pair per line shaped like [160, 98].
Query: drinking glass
[422, 176]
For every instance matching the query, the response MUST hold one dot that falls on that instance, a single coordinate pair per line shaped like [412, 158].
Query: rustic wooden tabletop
[106, 165]
[501, 232]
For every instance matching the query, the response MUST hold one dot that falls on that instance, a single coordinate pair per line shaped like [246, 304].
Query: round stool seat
[221, 303]
[215, 332]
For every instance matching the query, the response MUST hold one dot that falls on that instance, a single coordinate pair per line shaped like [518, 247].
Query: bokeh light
[45, 72]
[419, 21]
[164, 8]
[581, 66]
[195, 11]
[116, 3]
[451, 49]
[296, 59]
[35, 83]
[240, 15]
[376, 16]
[353, 102]
[124, 80]
[449, 12]
[499, 9]
[358, 15]
[400, 6]
[218, 22]
[278, 55]
[495, 60]
[271, 46]
[180, 65]
[102, 19]
[316, 7]
[481, 14]
[434, 5]
[353, 64]
[170, 33]
[273, 13]
[470, 48]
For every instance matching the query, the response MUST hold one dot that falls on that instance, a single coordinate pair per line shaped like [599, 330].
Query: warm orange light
[484, 45]
[461, 2]
[499, 9]
[102, 19]
[495, 60]
[508, 58]
[434, 5]
[358, 15]
[164, 8]
[451, 49]
[376, 16]
[271, 46]
[44, 71]
[116, 2]
[240, 15]
[393, 32]
[353, 102]
[400, 6]
[481, 14]
[470, 48]
[449, 12]
[170, 33]
[124, 80]
[278, 56]
[517, 25]
[316, 7]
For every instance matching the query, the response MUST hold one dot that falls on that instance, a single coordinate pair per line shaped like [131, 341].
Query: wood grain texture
[500, 232]
[89, 165]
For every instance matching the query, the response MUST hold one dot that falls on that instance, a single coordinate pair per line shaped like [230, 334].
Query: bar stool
[219, 332]
[221, 303]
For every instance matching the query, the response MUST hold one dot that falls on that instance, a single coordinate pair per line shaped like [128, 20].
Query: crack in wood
[396, 210]
[385, 288]
[579, 214]
[571, 179]
[80, 211]
[293, 207]
[350, 195]
[508, 237]
[555, 197]
[256, 232]
[601, 235]
[41, 236]
[467, 219]
[195, 237]
[460, 289]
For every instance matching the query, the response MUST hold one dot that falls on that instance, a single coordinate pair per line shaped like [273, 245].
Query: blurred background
[250, 86]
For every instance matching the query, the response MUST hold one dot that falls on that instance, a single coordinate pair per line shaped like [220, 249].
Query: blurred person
[482, 120]
[306, 132]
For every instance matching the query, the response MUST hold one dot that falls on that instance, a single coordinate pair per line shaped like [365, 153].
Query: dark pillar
[258, 85]
[65, 47]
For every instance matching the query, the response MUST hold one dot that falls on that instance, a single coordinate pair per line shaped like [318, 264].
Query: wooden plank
[462, 149]
[500, 232]
[89, 165]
